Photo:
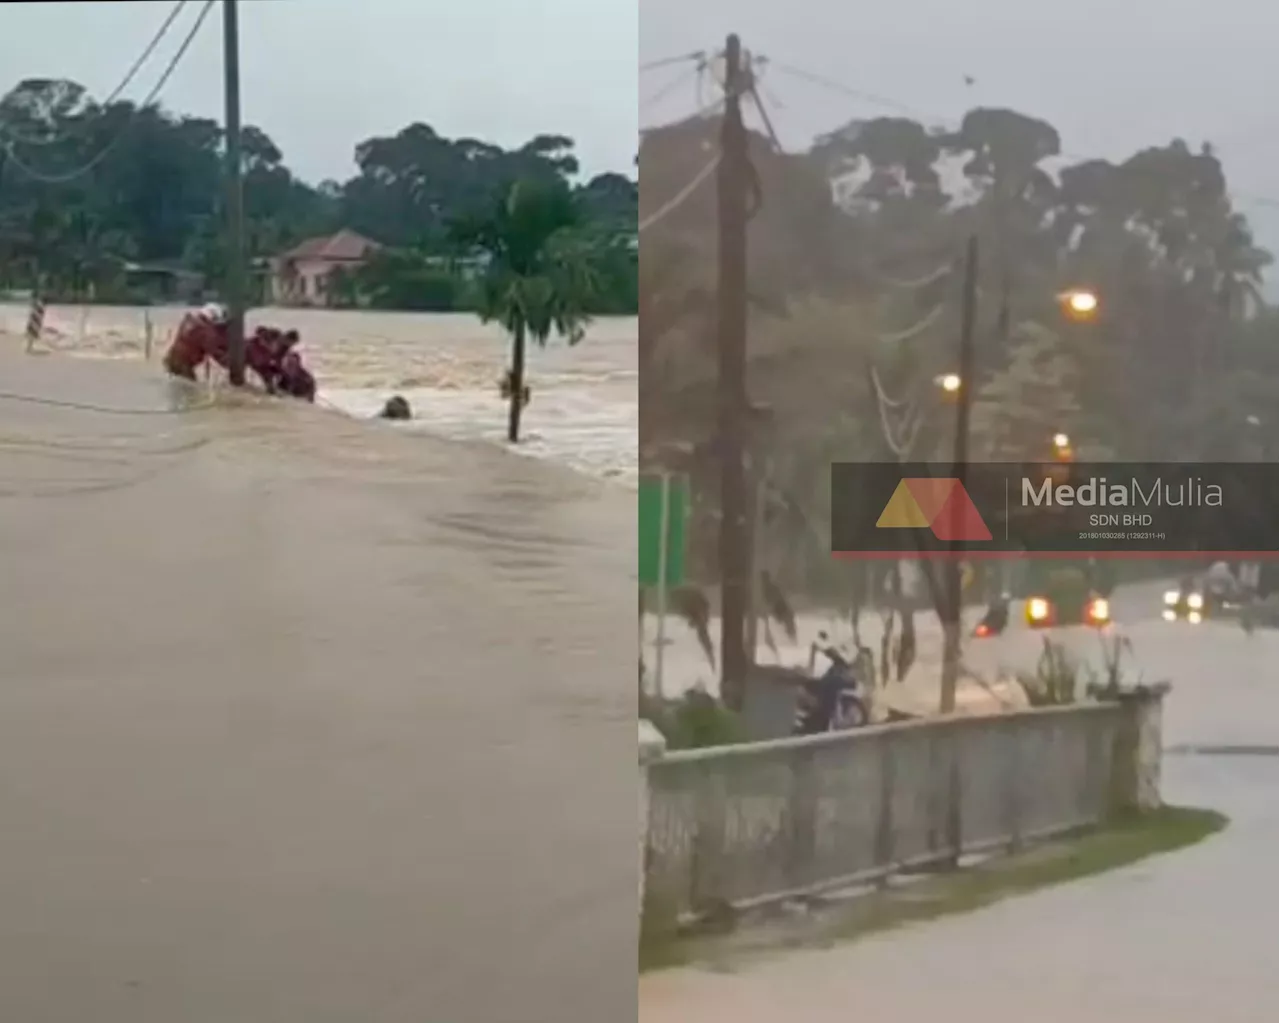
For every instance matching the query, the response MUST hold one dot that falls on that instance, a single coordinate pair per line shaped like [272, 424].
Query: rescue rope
[80, 406]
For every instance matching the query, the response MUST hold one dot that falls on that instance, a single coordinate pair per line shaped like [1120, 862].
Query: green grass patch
[1119, 844]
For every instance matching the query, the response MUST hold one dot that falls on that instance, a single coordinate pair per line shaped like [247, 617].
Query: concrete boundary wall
[744, 825]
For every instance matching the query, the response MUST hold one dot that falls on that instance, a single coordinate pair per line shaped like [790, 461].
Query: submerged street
[1178, 938]
[303, 719]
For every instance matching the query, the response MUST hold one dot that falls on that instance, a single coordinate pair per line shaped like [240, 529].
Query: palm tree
[537, 277]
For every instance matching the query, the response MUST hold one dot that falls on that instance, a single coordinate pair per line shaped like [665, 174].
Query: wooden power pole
[735, 556]
[235, 249]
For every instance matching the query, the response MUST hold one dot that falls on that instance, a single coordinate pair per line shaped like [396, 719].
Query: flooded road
[304, 719]
[1180, 938]
[584, 411]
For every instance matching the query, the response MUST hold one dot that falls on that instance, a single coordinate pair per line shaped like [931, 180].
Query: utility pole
[951, 628]
[735, 569]
[235, 275]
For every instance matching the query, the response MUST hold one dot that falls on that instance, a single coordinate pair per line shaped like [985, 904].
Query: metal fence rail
[754, 823]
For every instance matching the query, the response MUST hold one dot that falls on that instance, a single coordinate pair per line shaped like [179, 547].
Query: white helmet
[214, 313]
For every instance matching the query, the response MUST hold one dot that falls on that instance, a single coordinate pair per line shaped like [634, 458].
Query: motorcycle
[995, 621]
[834, 701]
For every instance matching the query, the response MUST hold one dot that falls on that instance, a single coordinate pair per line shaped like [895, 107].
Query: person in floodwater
[262, 356]
[396, 407]
[265, 353]
[202, 335]
[295, 380]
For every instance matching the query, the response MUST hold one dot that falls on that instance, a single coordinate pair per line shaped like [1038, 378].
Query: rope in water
[80, 406]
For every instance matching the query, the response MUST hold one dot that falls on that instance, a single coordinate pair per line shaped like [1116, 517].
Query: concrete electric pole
[235, 248]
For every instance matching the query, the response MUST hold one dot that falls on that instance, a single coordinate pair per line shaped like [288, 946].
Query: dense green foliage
[536, 271]
[154, 196]
[1179, 364]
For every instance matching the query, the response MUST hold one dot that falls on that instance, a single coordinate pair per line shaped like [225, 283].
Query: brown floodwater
[584, 411]
[1181, 938]
[302, 719]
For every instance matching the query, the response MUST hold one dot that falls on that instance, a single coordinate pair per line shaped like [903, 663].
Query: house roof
[345, 245]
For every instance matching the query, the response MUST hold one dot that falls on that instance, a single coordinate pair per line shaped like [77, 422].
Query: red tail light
[982, 630]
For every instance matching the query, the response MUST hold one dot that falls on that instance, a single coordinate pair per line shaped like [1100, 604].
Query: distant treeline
[154, 200]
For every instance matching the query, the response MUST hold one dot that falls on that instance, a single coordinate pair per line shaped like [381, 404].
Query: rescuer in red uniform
[201, 335]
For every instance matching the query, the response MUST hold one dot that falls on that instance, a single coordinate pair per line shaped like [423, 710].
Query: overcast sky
[321, 75]
[1111, 75]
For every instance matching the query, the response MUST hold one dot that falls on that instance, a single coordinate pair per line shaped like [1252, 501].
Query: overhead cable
[679, 198]
[60, 179]
[115, 93]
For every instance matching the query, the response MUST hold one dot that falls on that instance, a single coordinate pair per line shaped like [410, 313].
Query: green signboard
[651, 529]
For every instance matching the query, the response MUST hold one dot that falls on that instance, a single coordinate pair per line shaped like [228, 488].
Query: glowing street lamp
[1061, 441]
[1079, 303]
[949, 382]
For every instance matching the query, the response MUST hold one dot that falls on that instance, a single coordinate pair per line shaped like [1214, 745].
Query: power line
[689, 74]
[684, 58]
[889, 103]
[124, 82]
[61, 179]
[921, 325]
[915, 283]
[847, 90]
[680, 197]
[705, 110]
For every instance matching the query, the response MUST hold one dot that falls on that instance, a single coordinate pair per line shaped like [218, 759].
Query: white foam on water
[572, 426]
[585, 407]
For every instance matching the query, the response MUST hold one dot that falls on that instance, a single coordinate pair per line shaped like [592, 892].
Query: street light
[1061, 441]
[1079, 303]
[949, 382]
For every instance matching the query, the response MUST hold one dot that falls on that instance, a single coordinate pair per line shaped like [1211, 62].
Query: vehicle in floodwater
[996, 620]
[834, 701]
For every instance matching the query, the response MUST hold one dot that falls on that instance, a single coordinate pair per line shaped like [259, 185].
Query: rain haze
[1110, 77]
[941, 236]
[321, 808]
[321, 76]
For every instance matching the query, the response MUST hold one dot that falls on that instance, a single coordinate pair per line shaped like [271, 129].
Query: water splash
[585, 409]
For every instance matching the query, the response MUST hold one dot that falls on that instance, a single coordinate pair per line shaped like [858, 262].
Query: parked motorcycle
[834, 701]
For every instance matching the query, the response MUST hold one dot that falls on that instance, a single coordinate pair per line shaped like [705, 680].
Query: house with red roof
[301, 276]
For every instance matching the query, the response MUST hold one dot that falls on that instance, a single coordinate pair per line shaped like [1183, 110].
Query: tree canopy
[151, 192]
[854, 260]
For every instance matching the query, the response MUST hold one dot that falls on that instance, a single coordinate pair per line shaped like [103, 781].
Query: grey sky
[321, 75]
[1111, 75]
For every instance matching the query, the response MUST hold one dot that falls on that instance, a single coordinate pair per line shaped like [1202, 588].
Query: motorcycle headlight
[1195, 601]
[1099, 610]
[1037, 609]
[1171, 597]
